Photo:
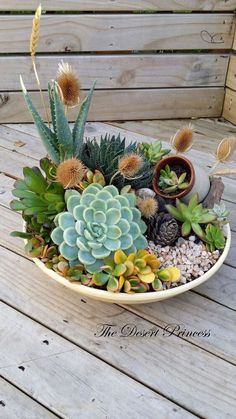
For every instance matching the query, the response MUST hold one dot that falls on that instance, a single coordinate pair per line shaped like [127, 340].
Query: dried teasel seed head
[130, 164]
[68, 85]
[148, 207]
[225, 149]
[70, 173]
[35, 31]
[182, 141]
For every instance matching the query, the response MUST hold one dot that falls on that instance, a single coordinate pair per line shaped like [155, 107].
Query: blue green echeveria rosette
[97, 223]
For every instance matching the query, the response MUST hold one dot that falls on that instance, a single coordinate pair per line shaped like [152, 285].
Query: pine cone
[162, 229]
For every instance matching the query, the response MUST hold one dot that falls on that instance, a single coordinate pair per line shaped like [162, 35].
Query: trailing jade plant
[60, 142]
[134, 273]
[97, 223]
[191, 216]
[170, 182]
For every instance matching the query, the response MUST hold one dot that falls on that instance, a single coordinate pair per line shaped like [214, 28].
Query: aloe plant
[60, 142]
[191, 216]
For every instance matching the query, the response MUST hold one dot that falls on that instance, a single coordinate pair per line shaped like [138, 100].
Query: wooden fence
[151, 59]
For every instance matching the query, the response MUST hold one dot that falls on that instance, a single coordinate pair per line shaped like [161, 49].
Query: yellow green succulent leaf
[147, 278]
[163, 275]
[129, 268]
[121, 282]
[119, 270]
[100, 278]
[127, 286]
[157, 284]
[120, 257]
[113, 284]
[174, 273]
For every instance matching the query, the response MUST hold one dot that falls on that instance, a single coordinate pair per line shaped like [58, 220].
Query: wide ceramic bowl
[149, 297]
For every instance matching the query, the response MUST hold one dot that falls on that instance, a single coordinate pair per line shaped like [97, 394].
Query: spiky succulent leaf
[47, 136]
[79, 127]
[62, 129]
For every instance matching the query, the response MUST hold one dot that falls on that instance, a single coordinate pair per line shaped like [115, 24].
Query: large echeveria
[97, 223]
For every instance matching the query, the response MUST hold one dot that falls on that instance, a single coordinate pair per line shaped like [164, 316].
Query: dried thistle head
[148, 206]
[130, 164]
[70, 173]
[68, 85]
[35, 31]
[182, 141]
[225, 149]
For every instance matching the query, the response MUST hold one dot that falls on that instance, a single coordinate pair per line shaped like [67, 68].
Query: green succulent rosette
[97, 223]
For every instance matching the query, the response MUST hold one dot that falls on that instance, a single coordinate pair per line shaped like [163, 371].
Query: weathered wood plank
[121, 5]
[111, 32]
[15, 404]
[229, 111]
[199, 311]
[120, 71]
[231, 76]
[221, 288]
[173, 379]
[207, 132]
[70, 380]
[129, 104]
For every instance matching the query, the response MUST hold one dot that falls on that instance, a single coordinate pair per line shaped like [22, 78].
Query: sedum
[97, 223]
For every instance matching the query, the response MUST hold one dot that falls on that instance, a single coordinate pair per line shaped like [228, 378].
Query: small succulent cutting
[191, 216]
[39, 196]
[214, 238]
[170, 182]
[153, 151]
[97, 223]
[221, 213]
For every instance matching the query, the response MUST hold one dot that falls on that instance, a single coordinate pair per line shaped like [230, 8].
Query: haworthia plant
[60, 143]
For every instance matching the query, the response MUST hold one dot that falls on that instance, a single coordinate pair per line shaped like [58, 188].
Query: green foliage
[214, 238]
[97, 223]
[39, 197]
[105, 154]
[221, 214]
[60, 143]
[191, 216]
[170, 182]
[153, 151]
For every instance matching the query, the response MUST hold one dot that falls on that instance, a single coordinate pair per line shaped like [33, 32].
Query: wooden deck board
[178, 376]
[15, 404]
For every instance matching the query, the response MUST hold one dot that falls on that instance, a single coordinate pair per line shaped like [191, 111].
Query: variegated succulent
[135, 273]
[97, 223]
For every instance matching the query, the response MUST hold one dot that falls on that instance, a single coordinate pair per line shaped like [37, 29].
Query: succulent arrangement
[91, 210]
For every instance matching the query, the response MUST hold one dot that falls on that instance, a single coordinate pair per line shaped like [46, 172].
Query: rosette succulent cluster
[97, 223]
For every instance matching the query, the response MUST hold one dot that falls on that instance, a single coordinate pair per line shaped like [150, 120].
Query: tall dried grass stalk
[33, 47]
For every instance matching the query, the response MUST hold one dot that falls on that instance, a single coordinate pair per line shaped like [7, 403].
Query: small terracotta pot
[173, 161]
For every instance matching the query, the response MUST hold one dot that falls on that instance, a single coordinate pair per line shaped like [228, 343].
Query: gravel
[190, 256]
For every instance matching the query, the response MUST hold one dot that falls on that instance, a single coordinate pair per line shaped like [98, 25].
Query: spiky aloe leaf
[47, 136]
[62, 129]
[52, 106]
[79, 127]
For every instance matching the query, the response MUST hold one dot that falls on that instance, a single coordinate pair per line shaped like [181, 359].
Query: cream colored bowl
[149, 297]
